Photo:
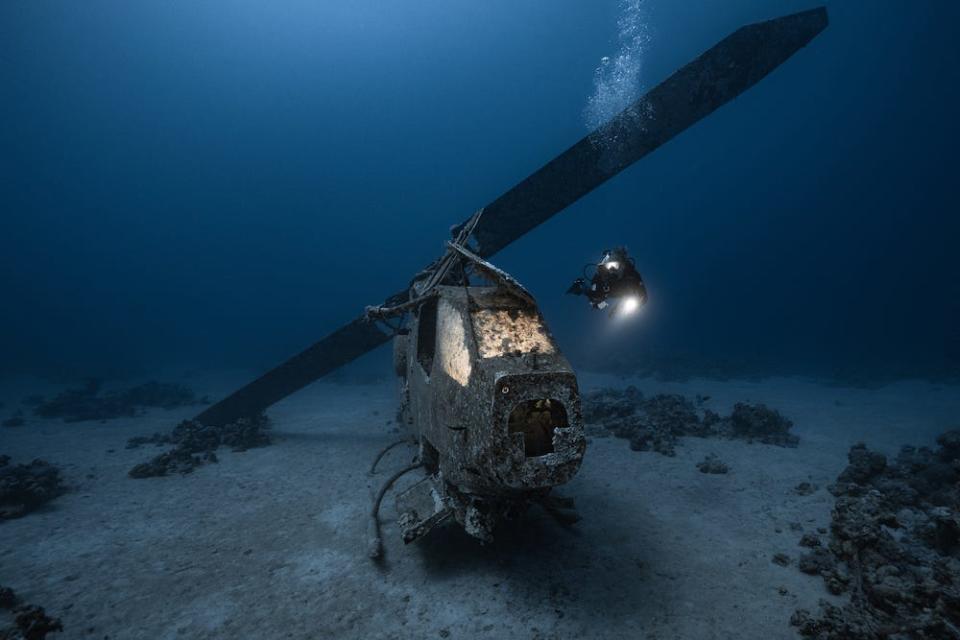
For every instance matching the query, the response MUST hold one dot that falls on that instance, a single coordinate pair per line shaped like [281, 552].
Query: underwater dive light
[629, 305]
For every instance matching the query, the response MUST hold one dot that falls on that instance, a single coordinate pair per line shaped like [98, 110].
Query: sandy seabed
[270, 543]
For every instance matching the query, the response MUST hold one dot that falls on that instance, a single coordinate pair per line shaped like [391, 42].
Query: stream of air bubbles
[617, 79]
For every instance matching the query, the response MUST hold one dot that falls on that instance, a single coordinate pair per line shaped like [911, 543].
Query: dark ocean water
[221, 183]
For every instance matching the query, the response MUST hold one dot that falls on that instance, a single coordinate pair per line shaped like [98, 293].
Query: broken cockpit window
[501, 332]
[537, 420]
[427, 334]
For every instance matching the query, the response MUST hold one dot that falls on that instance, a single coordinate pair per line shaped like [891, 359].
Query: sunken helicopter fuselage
[491, 400]
[493, 404]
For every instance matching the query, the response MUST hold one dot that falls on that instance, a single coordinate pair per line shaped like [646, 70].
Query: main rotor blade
[344, 345]
[715, 78]
[718, 76]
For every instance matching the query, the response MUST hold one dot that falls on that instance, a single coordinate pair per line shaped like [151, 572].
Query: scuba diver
[615, 282]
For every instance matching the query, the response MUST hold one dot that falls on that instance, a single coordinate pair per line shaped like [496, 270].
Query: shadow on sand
[577, 571]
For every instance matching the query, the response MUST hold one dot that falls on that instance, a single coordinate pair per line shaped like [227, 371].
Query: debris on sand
[85, 403]
[894, 545]
[805, 489]
[195, 444]
[712, 464]
[16, 420]
[25, 487]
[88, 403]
[809, 540]
[8, 599]
[32, 622]
[656, 423]
[781, 559]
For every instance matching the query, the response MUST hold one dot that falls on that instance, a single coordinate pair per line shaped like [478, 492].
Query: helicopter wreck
[491, 400]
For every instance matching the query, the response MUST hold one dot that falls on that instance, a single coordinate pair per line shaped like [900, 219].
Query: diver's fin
[577, 288]
[719, 75]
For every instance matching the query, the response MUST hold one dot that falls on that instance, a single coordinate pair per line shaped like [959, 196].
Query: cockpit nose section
[539, 425]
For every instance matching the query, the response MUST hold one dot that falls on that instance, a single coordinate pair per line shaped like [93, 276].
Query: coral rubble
[894, 547]
[31, 622]
[16, 420]
[758, 422]
[195, 444]
[89, 403]
[25, 487]
[805, 489]
[712, 464]
[656, 423]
